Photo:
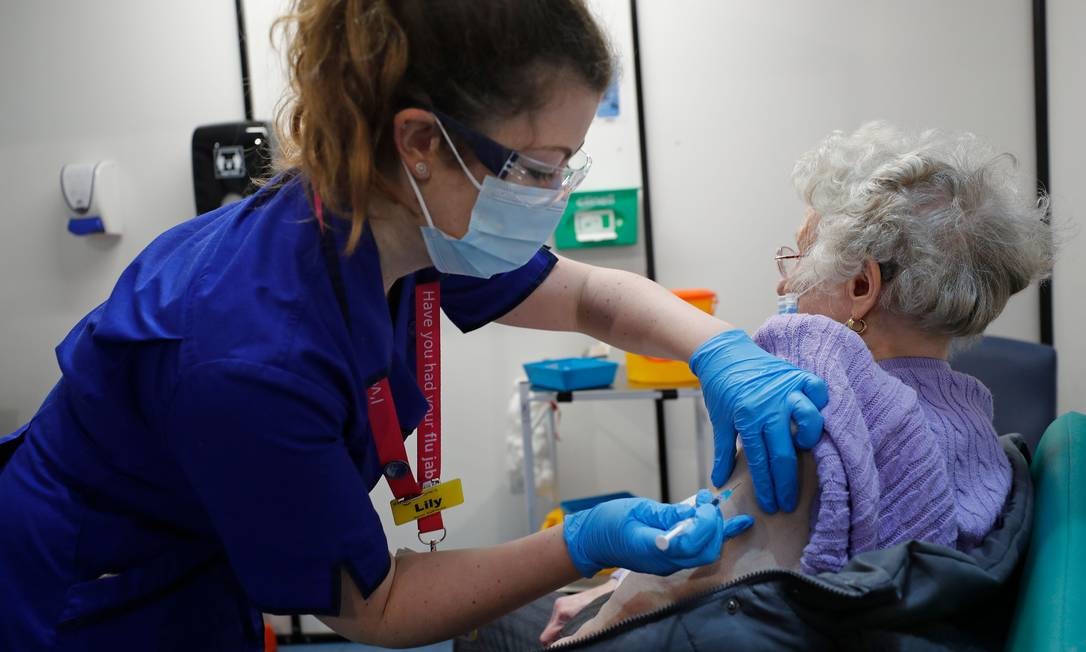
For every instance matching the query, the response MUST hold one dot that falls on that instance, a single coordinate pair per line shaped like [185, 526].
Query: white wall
[1067, 155]
[125, 80]
[736, 91]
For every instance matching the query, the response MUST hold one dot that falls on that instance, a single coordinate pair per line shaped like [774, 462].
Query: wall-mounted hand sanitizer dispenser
[91, 191]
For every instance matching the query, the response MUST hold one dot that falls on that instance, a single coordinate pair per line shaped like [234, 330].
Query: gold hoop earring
[857, 325]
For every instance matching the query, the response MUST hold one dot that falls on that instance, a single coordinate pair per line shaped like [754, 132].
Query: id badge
[432, 500]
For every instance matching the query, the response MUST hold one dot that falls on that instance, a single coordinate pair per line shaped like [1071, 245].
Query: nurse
[221, 419]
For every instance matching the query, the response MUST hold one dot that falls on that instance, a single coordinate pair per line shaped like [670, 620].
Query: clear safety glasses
[514, 167]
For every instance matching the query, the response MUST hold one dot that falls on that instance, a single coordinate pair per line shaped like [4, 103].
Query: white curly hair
[940, 212]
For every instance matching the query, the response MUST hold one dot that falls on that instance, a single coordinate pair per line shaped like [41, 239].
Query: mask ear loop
[463, 166]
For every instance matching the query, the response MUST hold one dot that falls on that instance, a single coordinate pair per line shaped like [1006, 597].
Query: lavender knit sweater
[909, 450]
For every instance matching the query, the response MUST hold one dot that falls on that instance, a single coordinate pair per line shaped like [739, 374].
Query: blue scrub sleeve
[473, 302]
[263, 449]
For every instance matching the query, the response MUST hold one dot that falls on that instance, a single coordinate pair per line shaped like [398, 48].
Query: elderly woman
[908, 242]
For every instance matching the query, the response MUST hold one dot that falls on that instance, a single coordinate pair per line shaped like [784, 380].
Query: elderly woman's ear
[863, 295]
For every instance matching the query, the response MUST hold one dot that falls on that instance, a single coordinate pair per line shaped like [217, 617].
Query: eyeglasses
[510, 165]
[787, 259]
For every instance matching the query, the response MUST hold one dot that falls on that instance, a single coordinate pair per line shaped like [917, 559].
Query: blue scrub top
[206, 454]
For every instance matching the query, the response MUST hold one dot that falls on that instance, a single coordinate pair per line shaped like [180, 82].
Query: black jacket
[914, 596]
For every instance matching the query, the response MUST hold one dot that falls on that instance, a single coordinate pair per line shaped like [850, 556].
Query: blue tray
[581, 504]
[568, 374]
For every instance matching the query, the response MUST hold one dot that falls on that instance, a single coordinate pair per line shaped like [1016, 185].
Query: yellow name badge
[432, 500]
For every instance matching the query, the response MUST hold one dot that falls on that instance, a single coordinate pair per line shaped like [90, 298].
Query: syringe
[663, 541]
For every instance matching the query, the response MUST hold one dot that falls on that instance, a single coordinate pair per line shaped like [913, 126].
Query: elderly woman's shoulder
[812, 341]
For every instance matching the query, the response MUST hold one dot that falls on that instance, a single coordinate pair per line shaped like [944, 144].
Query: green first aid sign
[599, 218]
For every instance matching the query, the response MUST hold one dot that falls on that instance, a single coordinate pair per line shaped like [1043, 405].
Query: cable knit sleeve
[882, 478]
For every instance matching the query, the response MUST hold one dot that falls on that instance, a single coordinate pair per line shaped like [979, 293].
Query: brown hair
[354, 63]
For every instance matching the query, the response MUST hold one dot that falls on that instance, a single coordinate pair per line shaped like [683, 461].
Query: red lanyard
[385, 423]
[428, 375]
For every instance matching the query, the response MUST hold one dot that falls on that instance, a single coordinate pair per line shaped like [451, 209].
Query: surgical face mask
[508, 225]
[787, 303]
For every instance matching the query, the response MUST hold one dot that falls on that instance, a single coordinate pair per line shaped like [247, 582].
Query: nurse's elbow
[363, 620]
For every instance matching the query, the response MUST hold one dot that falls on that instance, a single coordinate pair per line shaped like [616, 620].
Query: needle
[663, 541]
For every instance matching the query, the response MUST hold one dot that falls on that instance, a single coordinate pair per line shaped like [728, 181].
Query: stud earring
[857, 326]
[422, 169]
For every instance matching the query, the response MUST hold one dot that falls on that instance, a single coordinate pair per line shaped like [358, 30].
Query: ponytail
[345, 61]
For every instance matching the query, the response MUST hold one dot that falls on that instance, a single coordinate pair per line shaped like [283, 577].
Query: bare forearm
[636, 314]
[434, 596]
[620, 308]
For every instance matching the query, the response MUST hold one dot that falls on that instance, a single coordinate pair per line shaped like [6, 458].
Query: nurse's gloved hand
[758, 395]
[623, 533]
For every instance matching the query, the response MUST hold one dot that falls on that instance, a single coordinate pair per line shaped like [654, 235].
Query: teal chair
[1051, 609]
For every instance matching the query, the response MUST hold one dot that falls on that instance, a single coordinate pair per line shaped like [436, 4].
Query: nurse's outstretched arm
[431, 597]
[747, 391]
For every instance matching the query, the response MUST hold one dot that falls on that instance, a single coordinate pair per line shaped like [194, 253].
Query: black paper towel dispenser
[226, 158]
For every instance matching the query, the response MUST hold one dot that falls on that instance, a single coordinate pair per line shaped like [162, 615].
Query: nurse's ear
[417, 141]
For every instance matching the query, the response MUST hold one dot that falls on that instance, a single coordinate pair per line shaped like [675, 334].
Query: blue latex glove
[758, 395]
[623, 533]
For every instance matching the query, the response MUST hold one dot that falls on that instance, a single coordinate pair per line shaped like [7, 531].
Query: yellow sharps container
[647, 370]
